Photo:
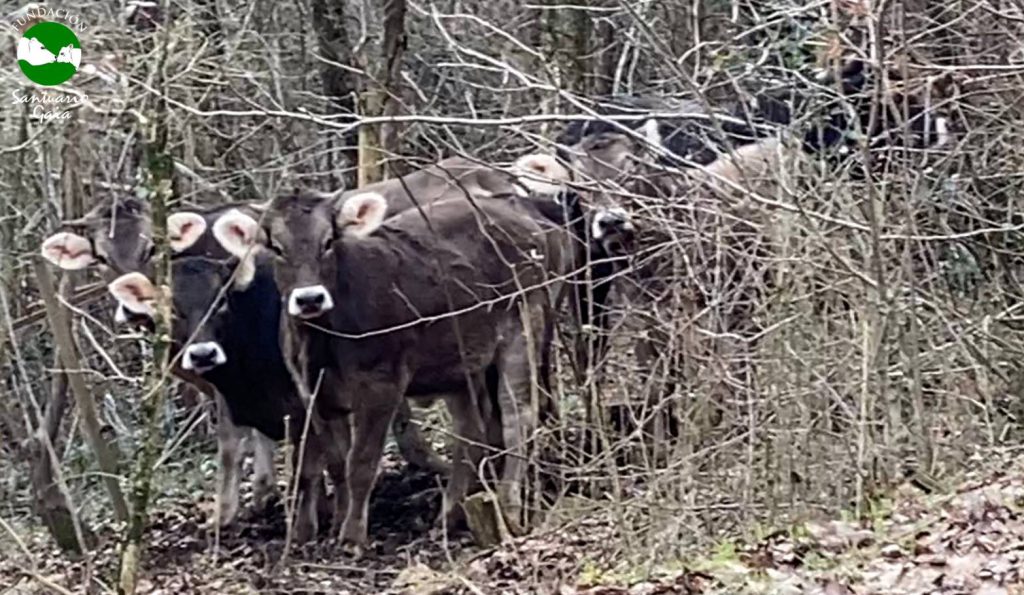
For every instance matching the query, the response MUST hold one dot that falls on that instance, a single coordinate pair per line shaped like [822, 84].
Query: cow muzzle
[613, 230]
[201, 357]
[309, 302]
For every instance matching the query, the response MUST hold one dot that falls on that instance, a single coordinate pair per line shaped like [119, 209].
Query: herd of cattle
[445, 283]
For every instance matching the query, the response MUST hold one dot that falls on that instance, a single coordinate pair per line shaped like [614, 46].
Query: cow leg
[337, 453]
[371, 418]
[308, 493]
[230, 454]
[518, 418]
[413, 445]
[470, 435]
[263, 467]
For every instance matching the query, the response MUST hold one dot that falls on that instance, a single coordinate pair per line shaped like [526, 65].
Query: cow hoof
[227, 514]
[453, 519]
[353, 533]
[515, 527]
[304, 532]
[353, 550]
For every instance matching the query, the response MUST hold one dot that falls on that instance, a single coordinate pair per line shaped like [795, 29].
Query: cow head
[199, 299]
[601, 157]
[114, 235]
[302, 231]
[612, 230]
[540, 174]
[609, 153]
[117, 238]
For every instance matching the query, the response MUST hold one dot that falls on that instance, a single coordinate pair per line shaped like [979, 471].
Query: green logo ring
[49, 53]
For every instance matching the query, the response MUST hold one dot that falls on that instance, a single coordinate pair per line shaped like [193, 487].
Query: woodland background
[891, 354]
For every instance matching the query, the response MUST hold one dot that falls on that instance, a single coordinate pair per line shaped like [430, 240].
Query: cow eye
[328, 243]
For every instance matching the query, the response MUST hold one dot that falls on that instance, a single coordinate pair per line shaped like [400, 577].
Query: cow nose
[306, 302]
[614, 230]
[610, 222]
[203, 356]
[311, 301]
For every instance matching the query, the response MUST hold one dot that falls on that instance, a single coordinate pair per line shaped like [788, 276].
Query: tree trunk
[51, 501]
[50, 504]
[567, 34]
[377, 141]
[158, 184]
[106, 456]
[337, 83]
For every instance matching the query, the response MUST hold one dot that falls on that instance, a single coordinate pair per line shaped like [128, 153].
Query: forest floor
[967, 538]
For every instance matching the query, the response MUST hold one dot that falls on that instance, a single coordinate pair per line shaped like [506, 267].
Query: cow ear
[540, 174]
[135, 292]
[237, 233]
[68, 250]
[361, 214]
[184, 229]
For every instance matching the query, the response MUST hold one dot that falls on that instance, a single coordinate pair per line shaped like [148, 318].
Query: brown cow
[535, 173]
[457, 175]
[421, 304]
[115, 237]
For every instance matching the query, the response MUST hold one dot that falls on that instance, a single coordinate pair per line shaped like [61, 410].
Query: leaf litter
[967, 541]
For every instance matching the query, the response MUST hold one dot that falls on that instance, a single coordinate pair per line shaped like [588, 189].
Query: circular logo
[49, 53]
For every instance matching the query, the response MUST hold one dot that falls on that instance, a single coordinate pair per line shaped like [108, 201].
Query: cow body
[424, 304]
[724, 153]
[444, 179]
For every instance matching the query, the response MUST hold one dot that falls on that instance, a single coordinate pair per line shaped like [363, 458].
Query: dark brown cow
[231, 340]
[831, 119]
[455, 176]
[422, 304]
[116, 238]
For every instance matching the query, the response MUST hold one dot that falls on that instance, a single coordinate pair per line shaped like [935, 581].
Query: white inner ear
[135, 292]
[539, 174]
[67, 250]
[236, 232]
[184, 229]
[361, 214]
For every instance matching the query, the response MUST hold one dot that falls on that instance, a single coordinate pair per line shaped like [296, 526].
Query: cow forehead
[197, 280]
[300, 216]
